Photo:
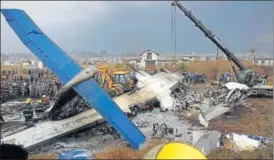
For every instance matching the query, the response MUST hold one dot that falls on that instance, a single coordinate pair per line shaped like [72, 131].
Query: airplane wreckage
[82, 103]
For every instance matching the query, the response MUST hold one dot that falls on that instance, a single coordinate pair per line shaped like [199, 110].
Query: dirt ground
[256, 120]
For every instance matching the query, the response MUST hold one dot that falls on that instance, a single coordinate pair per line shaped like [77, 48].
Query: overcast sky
[120, 27]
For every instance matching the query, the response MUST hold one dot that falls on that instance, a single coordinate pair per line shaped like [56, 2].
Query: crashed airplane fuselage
[149, 88]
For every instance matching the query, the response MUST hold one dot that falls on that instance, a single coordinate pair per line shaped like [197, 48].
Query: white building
[40, 65]
[8, 63]
[26, 63]
[148, 58]
[263, 61]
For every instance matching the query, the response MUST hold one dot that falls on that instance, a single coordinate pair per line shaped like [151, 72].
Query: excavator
[114, 82]
[244, 75]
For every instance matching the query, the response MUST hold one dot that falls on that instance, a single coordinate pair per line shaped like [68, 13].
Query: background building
[149, 57]
[263, 61]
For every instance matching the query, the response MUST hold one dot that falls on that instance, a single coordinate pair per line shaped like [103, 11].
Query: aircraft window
[127, 76]
[116, 78]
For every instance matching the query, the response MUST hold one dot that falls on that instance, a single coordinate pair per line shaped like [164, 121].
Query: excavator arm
[210, 35]
[245, 75]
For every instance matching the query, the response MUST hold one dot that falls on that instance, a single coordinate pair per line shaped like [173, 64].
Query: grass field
[211, 68]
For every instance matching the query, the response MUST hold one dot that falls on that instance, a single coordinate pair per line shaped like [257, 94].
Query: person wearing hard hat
[28, 101]
[28, 110]
[39, 108]
[45, 100]
[39, 101]
[174, 151]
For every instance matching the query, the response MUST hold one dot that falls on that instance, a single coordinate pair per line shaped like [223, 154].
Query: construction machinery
[114, 82]
[244, 75]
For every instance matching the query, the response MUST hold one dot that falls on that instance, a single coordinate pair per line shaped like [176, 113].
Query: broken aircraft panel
[48, 130]
[159, 86]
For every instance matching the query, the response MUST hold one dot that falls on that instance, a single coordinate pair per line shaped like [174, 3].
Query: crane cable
[173, 30]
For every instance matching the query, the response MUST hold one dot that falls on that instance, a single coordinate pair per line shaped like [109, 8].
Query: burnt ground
[255, 120]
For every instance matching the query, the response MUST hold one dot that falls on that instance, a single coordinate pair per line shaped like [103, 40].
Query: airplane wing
[64, 67]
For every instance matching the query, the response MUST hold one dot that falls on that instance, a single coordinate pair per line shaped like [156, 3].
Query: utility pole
[217, 56]
[173, 30]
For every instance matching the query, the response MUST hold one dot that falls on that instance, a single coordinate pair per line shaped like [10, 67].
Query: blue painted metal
[82, 154]
[66, 68]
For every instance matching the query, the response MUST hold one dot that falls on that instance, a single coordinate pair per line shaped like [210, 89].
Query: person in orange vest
[45, 100]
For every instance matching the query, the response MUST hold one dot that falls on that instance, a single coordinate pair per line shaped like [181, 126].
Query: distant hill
[17, 56]
[25, 56]
[83, 55]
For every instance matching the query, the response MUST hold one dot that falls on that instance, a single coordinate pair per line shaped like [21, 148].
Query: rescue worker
[31, 92]
[203, 76]
[39, 108]
[45, 100]
[174, 151]
[28, 110]
[265, 76]
[228, 77]
[221, 77]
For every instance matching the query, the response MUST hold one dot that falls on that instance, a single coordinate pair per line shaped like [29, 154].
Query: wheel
[112, 93]
[133, 112]
[150, 108]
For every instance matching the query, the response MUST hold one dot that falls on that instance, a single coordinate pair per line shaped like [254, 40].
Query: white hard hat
[44, 96]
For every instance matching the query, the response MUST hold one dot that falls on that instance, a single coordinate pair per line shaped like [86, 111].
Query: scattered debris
[212, 103]
[206, 142]
[163, 130]
[242, 142]
[209, 141]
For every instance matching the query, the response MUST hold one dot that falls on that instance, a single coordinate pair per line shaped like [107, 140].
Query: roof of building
[260, 58]
[134, 59]
[149, 51]
[168, 60]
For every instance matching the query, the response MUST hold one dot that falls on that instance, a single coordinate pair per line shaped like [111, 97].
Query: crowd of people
[263, 78]
[225, 77]
[33, 84]
[194, 78]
